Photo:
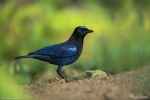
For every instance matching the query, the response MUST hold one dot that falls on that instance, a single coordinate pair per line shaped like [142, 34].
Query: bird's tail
[20, 57]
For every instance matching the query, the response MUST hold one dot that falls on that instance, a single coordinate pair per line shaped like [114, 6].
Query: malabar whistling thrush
[64, 53]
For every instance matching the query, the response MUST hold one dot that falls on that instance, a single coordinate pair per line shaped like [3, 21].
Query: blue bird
[64, 53]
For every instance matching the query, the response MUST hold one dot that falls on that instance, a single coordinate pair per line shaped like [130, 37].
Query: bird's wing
[57, 51]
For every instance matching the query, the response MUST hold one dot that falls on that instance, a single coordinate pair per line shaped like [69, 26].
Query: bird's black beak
[90, 31]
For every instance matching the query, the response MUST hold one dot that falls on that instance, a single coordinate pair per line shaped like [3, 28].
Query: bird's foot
[66, 80]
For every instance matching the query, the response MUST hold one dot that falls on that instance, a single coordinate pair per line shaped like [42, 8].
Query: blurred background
[120, 41]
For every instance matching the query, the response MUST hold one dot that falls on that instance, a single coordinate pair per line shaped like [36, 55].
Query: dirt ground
[133, 85]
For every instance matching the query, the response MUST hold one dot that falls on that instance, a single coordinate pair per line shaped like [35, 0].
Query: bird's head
[81, 31]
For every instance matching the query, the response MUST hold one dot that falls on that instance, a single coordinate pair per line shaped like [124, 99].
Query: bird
[64, 53]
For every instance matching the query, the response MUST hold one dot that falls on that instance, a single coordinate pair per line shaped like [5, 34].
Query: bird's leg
[60, 73]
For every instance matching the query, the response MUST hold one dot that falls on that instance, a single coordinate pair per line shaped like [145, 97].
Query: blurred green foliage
[9, 89]
[120, 41]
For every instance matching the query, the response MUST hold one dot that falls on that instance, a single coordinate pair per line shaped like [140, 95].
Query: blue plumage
[59, 50]
[64, 53]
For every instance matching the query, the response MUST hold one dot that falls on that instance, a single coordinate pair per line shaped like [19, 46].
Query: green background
[120, 41]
